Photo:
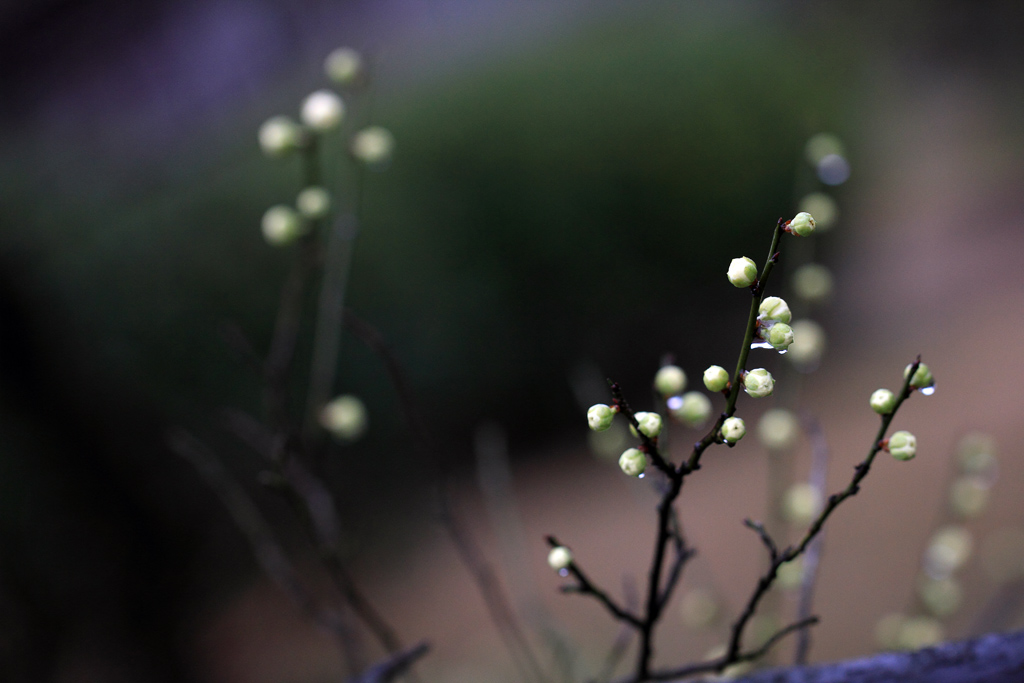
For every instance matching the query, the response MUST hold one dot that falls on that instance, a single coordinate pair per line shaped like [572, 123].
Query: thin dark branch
[650, 446]
[584, 586]
[683, 555]
[392, 667]
[625, 635]
[766, 539]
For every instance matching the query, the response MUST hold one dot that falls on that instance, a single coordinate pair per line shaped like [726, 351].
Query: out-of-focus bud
[650, 424]
[778, 429]
[920, 632]
[781, 336]
[633, 462]
[698, 608]
[790, 574]
[942, 597]
[883, 401]
[822, 207]
[600, 417]
[968, 496]
[373, 145]
[742, 272]
[694, 409]
[976, 454]
[948, 549]
[733, 429]
[322, 111]
[559, 558]
[801, 503]
[758, 383]
[344, 417]
[902, 445]
[812, 282]
[343, 66]
[281, 225]
[313, 202]
[775, 309]
[670, 380]
[922, 379]
[279, 135]
[887, 631]
[716, 378]
[822, 145]
[802, 224]
[808, 345]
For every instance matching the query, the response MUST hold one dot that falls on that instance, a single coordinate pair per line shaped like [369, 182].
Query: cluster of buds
[773, 320]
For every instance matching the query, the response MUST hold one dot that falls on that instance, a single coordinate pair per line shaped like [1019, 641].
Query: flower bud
[716, 378]
[650, 424]
[322, 111]
[812, 282]
[694, 409]
[922, 379]
[343, 66]
[313, 202]
[969, 495]
[733, 429]
[942, 597]
[883, 401]
[742, 272]
[559, 558]
[947, 551]
[279, 135]
[781, 336]
[887, 630]
[373, 145]
[778, 429]
[903, 445]
[801, 503]
[976, 454]
[670, 380]
[758, 383]
[790, 574]
[919, 632]
[802, 224]
[281, 225]
[600, 417]
[808, 345]
[775, 309]
[344, 417]
[822, 207]
[633, 462]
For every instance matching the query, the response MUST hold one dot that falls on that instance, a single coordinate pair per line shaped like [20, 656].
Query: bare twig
[585, 586]
[392, 667]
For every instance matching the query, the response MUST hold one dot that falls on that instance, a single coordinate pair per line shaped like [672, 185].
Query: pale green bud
[778, 429]
[822, 207]
[802, 224]
[758, 383]
[313, 202]
[781, 336]
[976, 454]
[808, 345]
[902, 445]
[942, 597]
[742, 272]
[670, 380]
[344, 417]
[801, 503]
[968, 496]
[281, 225]
[948, 549]
[559, 558]
[920, 632]
[600, 417]
[812, 282]
[698, 608]
[775, 309]
[373, 145]
[343, 66]
[694, 409]
[822, 145]
[279, 135]
[322, 111]
[633, 462]
[883, 401]
[922, 379]
[887, 630]
[733, 429]
[650, 424]
[790, 574]
[716, 378]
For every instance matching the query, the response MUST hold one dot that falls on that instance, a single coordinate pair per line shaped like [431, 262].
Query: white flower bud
[801, 503]
[942, 597]
[373, 145]
[313, 202]
[883, 401]
[343, 66]
[694, 409]
[670, 380]
[919, 632]
[808, 345]
[947, 551]
[633, 462]
[758, 383]
[742, 272]
[716, 378]
[650, 424]
[281, 225]
[279, 135]
[698, 608]
[790, 574]
[322, 111]
[969, 495]
[559, 558]
[812, 282]
[344, 417]
[802, 224]
[775, 309]
[922, 379]
[902, 445]
[733, 429]
[778, 429]
[822, 207]
[600, 417]
[781, 336]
